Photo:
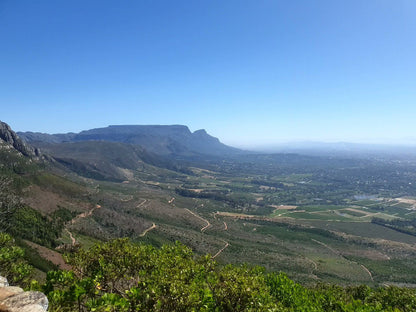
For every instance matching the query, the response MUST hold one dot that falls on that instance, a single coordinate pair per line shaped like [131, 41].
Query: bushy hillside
[120, 276]
[102, 160]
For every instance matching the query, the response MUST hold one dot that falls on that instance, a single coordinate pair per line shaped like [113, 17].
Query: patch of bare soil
[42, 200]
[259, 199]
[284, 207]
[409, 201]
[51, 255]
[196, 190]
[128, 174]
[47, 201]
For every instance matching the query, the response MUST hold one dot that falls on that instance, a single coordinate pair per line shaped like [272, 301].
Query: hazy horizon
[281, 145]
[252, 73]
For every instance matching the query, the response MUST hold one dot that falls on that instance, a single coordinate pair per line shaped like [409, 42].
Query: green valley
[318, 219]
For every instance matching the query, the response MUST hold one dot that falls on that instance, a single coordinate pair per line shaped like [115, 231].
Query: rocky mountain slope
[9, 137]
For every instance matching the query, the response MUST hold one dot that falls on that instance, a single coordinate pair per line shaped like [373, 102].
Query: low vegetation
[122, 276]
[323, 221]
[13, 266]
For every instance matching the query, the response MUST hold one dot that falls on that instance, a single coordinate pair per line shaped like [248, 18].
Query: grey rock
[29, 308]
[8, 136]
[14, 289]
[19, 301]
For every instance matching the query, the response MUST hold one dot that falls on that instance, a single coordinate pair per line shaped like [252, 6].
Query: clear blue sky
[249, 72]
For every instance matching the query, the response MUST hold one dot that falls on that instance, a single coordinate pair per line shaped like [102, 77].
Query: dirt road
[73, 241]
[367, 271]
[208, 224]
[221, 250]
[147, 230]
[78, 217]
[142, 203]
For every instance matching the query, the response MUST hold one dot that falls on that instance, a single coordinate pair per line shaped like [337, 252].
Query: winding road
[208, 224]
[340, 255]
[221, 250]
[78, 217]
[73, 241]
[147, 230]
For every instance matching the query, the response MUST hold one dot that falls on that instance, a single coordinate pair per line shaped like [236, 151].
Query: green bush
[12, 263]
[121, 276]
[30, 224]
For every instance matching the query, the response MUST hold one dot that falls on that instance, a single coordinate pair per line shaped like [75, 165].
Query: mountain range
[158, 139]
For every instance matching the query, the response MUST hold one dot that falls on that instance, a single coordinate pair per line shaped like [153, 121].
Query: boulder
[14, 299]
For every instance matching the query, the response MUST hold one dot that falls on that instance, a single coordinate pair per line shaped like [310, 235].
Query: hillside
[104, 160]
[319, 219]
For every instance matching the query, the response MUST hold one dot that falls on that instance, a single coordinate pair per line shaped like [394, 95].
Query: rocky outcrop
[14, 299]
[8, 136]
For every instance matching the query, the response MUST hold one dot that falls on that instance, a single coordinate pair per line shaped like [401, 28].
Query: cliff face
[8, 136]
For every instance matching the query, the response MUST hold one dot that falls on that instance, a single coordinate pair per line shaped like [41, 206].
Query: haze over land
[344, 220]
[252, 73]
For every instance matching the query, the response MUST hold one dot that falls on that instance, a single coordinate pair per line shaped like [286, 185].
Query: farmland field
[316, 223]
[347, 221]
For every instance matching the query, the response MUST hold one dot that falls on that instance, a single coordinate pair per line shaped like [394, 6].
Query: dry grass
[47, 201]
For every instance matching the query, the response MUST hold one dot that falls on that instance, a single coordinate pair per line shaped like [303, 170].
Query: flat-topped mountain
[158, 139]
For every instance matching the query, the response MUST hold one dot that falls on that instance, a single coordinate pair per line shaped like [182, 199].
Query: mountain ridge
[158, 139]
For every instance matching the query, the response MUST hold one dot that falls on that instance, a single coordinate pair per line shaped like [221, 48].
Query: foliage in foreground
[12, 265]
[25, 222]
[122, 276]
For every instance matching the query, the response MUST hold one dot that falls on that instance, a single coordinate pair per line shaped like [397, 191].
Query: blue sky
[249, 72]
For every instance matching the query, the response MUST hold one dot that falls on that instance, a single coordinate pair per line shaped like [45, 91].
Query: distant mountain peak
[8, 136]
